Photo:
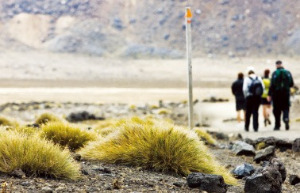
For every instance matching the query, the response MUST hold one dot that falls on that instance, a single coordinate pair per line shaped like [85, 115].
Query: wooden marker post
[188, 17]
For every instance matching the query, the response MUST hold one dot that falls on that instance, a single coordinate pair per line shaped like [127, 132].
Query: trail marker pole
[188, 18]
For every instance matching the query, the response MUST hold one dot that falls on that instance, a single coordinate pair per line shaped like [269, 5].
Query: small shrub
[157, 146]
[35, 156]
[66, 135]
[202, 134]
[6, 122]
[47, 117]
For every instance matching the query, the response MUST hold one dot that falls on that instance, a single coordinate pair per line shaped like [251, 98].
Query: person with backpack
[264, 101]
[279, 93]
[237, 91]
[253, 89]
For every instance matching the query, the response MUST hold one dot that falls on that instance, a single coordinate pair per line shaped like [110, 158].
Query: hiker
[264, 101]
[279, 93]
[253, 89]
[237, 91]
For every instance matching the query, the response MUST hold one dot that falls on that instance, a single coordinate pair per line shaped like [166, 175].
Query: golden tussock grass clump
[35, 156]
[67, 135]
[158, 146]
[107, 127]
[7, 122]
[206, 137]
[47, 117]
[26, 130]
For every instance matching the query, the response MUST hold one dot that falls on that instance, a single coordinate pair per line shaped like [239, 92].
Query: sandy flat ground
[40, 76]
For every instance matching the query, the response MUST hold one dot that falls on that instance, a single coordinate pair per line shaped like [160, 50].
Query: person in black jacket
[279, 93]
[237, 91]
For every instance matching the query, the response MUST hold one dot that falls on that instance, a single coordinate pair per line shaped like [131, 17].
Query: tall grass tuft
[66, 135]
[35, 156]
[7, 122]
[47, 117]
[158, 146]
[206, 137]
[26, 130]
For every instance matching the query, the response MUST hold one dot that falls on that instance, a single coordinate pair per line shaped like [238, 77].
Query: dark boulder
[207, 182]
[242, 148]
[283, 145]
[264, 180]
[277, 164]
[264, 154]
[296, 145]
[249, 141]
[243, 170]
[294, 179]
[83, 116]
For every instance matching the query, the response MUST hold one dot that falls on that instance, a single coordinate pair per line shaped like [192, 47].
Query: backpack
[282, 80]
[256, 87]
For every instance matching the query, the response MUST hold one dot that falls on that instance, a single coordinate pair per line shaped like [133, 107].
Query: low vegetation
[67, 135]
[206, 137]
[35, 156]
[155, 145]
[7, 122]
[26, 130]
[47, 117]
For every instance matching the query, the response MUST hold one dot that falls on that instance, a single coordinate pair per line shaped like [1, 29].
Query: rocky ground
[141, 29]
[99, 177]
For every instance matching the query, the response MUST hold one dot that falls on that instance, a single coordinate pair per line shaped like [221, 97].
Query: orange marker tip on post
[188, 13]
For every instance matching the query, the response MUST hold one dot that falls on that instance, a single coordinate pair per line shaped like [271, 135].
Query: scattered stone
[47, 189]
[243, 170]
[60, 189]
[34, 125]
[82, 116]
[77, 157]
[264, 154]
[215, 100]
[207, 182]
[26, 183]
[178, 184]
[242, 148]
[283, 145]
[277, 164]
[264, 180]
[118, 24]
[249, 141]
[18, 173]
[296, 145]
[219, 135]
[294, 179]
[235, 136]
[117, 184]
[85, 171]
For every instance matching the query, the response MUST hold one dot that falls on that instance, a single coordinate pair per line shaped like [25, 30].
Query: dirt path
[214, 114]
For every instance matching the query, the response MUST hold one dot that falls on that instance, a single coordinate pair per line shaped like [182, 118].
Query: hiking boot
[266, 122]
[276, 128]
[269, 122]
[287, 125]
